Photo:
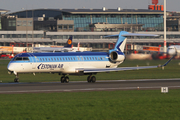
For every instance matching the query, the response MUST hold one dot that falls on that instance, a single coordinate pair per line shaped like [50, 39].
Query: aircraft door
[80, 61]
[33, 61]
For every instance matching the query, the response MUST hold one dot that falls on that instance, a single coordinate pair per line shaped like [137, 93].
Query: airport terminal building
[88, 26]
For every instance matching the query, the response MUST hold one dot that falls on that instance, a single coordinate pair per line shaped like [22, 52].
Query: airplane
[173, 50]
[75, 63]
[67, 47]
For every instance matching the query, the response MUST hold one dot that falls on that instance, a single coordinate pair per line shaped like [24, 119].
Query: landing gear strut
[64, 79]
[91, 78]
[16, 79]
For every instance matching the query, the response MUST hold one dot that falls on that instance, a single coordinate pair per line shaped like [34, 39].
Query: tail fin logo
[69, 42]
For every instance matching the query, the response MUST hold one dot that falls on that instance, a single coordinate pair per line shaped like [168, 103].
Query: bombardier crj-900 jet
[75, 63]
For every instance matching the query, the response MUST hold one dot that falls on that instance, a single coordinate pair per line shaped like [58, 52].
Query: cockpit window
[18, 59]
[21, 59]
[25, 58]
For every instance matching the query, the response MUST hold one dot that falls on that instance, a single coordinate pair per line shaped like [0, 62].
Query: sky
[18, 5]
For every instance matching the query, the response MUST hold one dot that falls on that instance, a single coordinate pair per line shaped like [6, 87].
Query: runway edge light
[164, 89]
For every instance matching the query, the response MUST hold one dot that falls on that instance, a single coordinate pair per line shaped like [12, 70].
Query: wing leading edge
[96, 70]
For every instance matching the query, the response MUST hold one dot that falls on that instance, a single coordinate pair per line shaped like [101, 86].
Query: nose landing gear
[17, 78]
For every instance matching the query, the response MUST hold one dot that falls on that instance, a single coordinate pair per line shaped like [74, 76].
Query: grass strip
[96, 105]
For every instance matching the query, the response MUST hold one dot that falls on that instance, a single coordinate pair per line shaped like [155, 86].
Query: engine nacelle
[115, 57]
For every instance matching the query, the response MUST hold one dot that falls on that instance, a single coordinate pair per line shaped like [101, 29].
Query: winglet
[166, 62]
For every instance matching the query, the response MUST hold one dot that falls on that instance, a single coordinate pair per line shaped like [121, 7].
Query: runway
[100, 85]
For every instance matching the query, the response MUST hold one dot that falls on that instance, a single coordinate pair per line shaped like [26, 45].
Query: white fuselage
[59, 64]
[173, 50]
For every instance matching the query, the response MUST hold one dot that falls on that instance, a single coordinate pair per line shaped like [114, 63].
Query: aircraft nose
[10, 67]
[171, 51]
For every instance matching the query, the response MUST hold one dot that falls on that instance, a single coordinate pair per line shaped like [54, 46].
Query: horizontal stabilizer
[136, 34]
[132, 34]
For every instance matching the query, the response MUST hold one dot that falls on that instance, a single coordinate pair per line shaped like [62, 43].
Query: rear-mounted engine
[115, 57]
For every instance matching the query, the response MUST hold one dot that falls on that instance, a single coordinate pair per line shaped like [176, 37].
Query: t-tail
[69, 42]
[117, 53]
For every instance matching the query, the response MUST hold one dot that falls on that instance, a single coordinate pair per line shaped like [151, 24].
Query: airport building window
[12, 23]
[60, 27]
[65, 27]
[19, 23]
[30, 23]
[70, 26]
[24, 23]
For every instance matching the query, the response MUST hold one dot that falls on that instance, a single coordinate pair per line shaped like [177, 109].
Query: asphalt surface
[6, 88]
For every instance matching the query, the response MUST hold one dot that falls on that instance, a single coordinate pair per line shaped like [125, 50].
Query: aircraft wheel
[62, 79]
[16, 80]
[66, 79]
[93, 79]
[89, 79]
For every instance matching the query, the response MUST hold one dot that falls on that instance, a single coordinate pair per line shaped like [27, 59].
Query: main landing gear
[64, 79]
[91, 78]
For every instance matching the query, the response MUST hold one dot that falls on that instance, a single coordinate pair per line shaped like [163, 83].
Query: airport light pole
[164, 26]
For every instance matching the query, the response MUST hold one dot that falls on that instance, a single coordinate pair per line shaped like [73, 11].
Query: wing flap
[96, 70]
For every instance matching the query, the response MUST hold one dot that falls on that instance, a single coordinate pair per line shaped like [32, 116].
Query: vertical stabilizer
[69, 42]
[121, 42]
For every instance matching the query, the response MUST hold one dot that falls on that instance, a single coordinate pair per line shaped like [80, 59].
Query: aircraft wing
[96, 70]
